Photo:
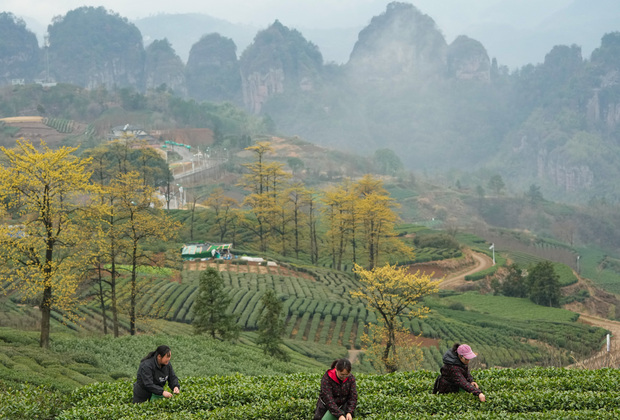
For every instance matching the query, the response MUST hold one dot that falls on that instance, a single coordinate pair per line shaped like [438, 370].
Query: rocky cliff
[400, 44]
[19, 51]
[467, 59]
[571, 177]
[90, 47]
[212, 70]
[163, 67]
[279, 60]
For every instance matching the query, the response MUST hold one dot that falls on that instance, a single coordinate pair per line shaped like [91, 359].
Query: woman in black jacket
[338, 392]
[154, 371]
[455, 372]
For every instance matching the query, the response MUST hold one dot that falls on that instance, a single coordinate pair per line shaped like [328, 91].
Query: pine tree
[210, 308]
[544, 284]
[514, 284]
[271, 326]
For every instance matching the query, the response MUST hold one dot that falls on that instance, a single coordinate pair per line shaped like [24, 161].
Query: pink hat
[465, 351]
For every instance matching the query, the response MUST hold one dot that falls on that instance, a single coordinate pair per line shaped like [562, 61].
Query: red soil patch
[435, 270]
[427, 342]
[251, 267]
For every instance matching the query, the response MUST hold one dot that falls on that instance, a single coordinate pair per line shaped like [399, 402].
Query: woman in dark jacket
[455, 372]
[154, 371]
[338, 392]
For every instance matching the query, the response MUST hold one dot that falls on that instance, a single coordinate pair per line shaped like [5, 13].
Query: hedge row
[550, 393]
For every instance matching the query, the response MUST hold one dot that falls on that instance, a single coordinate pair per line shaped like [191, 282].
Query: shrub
[440, 240]
[456, 306]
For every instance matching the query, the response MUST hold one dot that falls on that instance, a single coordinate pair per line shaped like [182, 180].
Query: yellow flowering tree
[43, 250]
[376, 215]
[267, 183]
[142, 221]
[393, 292]
[408, 357]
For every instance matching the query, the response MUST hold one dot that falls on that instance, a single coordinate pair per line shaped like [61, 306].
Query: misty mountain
[90, 47]
[508, 30]
[183, 30]
[212, 70]
[517, 39]
[164, 67]
[186, 29]
[441, 107]
[19, 50]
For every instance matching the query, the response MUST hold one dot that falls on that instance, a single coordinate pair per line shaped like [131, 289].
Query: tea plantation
[318, 310]
[85, 375]
[538, 393]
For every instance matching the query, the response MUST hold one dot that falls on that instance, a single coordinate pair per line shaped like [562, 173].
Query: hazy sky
[509, 29]
[452, 16]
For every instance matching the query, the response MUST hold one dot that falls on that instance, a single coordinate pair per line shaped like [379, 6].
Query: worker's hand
[166, 394]
[175, 390]
[481, 397]
[475, 384]
[349, 416]
[342, 418]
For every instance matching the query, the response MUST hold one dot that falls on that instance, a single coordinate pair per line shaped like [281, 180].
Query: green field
[549, 393]
[604, 271]
[74, 361]
[319, 312]
[512, 308]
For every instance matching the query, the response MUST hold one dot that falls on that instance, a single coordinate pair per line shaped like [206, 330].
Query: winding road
[599, 360]
[453, 280]
[602, 358]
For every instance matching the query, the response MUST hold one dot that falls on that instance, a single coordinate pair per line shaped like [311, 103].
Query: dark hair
[160, 351]
[342, 364]
[455, 347]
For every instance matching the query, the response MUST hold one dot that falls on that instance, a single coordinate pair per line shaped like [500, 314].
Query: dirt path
[602, 358]
[453, 280]
[354, 355]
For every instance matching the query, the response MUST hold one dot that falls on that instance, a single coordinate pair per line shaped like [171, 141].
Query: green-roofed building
[206, 250]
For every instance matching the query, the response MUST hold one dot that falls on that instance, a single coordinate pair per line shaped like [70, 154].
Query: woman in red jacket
[455, 372]
[338, 392]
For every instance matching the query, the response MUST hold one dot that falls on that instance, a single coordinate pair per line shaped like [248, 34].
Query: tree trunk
[113, 303]
[390, 347]
[191, 225]
[46, 300]
[132, 310]
[102, 301]
[314, 245]
[371, 248]
[45, 308]
[296, 222]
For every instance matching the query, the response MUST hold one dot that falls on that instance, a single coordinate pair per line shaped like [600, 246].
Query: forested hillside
[420, 169]
[441, 108]
[309, 215]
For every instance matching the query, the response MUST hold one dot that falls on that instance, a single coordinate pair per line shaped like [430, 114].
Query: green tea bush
[547, 393]
[25, 401]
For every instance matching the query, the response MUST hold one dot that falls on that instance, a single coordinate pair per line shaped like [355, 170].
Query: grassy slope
[511, 308]
[73, 361]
